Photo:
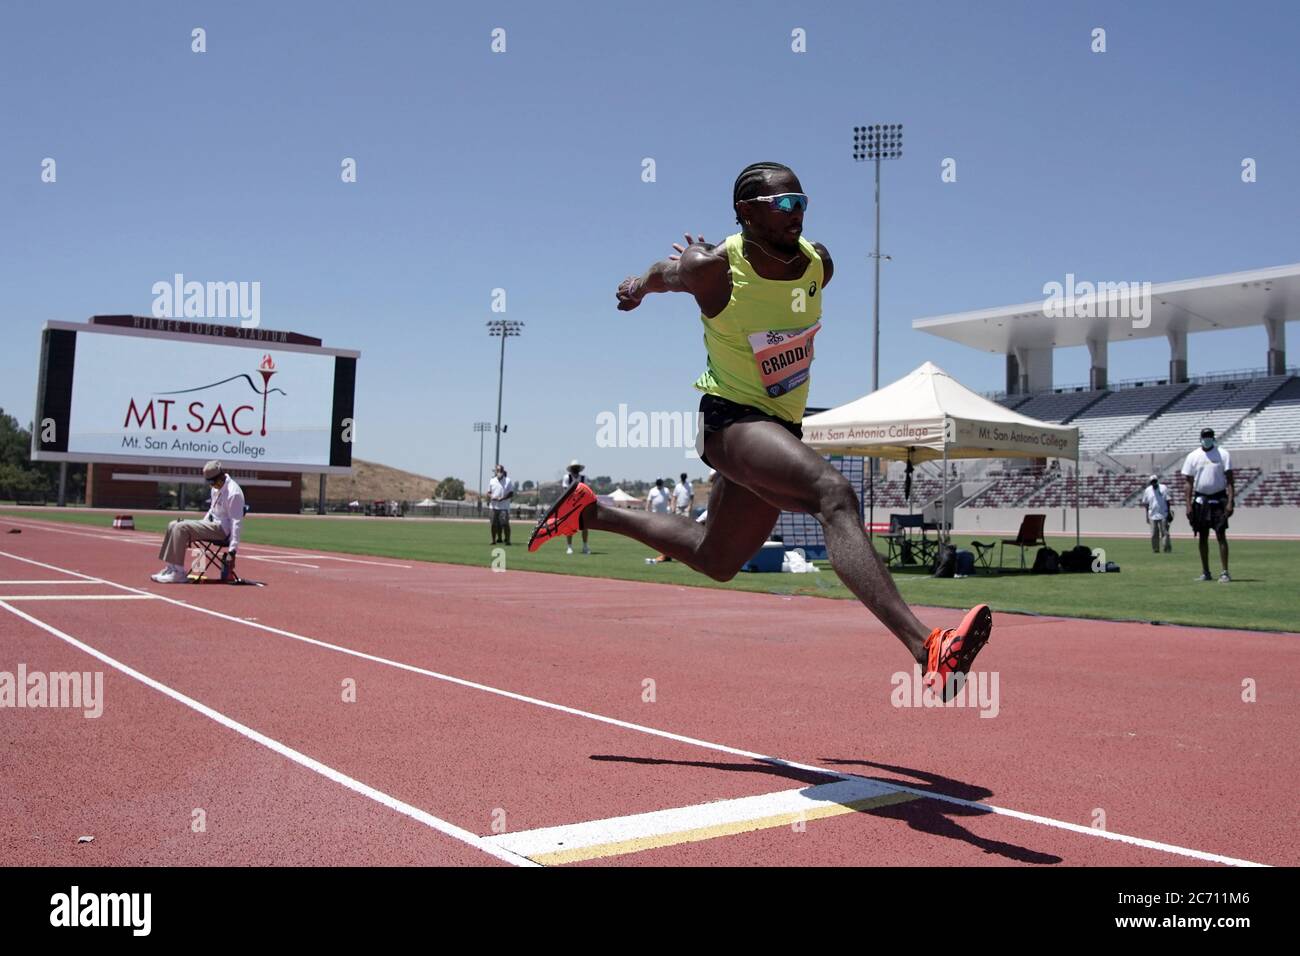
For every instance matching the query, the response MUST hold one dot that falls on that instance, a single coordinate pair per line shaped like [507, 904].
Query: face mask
[1207, 443]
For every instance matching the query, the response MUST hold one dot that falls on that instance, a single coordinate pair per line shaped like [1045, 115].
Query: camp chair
[894, 540]
[907, 534]
[210, 563]
[984, 554]
[1030, 535]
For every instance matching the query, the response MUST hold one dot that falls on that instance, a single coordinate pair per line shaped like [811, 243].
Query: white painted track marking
[387, 800]
[680, 738]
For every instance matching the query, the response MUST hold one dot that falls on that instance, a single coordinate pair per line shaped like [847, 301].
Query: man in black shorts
[759, 294]
[1211, 494]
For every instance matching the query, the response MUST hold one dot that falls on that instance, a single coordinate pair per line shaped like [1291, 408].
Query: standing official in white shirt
[572, 475]
[658, 498]
[1155, 498]
[683, 497]
[500, 490]
[1211, 497]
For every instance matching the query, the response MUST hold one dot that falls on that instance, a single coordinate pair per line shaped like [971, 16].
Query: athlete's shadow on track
[937, 816]
[927, 816]
[810, 777]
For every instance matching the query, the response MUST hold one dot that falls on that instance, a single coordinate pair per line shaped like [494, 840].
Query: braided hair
[751, 180]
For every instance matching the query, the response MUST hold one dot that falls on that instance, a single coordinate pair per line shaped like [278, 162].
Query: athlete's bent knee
[717, 568]
[724, 574]
[835, 494]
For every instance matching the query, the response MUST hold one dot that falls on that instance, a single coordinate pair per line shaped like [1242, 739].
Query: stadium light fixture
[481, 429]
[874, 143]
[504, 329]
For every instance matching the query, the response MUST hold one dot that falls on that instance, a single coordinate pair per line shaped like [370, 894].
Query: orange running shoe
[951, 651]
[563, 517]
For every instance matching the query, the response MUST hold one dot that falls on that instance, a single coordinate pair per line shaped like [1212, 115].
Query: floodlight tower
[877, 142]
[481, 428]
[504, 329]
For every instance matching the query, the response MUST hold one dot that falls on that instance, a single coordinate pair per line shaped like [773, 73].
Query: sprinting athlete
[759, 294]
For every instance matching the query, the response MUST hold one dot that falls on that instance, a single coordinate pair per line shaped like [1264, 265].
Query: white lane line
[616, 836]
[126, 537]
[336, 557]
[147, 537]
[79, 597]
[680, 738]
[49, 581]
[258, 557]
[387, 800]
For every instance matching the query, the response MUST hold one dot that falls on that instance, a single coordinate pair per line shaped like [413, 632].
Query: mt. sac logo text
[200, 418]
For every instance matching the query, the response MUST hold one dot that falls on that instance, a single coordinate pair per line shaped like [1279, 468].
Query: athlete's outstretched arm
[700, 270]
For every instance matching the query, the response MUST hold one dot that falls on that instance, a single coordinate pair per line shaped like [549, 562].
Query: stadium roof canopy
[1234, 300]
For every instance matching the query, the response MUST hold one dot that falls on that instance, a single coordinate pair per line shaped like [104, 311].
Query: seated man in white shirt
[221, 523]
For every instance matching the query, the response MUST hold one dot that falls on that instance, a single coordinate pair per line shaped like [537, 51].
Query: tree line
[22, 479]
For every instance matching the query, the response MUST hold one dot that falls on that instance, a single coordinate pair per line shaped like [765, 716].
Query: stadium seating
[1008, 490]
[1096, 491]
[1056, 406]
[1119, 412]
[1278, 490]
[889, 493]
[1033, 490]
[1218, 405]
[1274, 426]
[1125, 422]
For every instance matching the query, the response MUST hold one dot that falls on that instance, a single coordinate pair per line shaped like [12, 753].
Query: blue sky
[522, 170]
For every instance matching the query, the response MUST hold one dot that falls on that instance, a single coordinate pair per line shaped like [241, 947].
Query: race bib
[784, 358]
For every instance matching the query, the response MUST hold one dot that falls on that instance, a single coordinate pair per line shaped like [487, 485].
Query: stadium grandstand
[1130, 430]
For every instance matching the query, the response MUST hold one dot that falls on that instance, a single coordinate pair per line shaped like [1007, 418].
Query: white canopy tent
[620, 498]
[928, 415]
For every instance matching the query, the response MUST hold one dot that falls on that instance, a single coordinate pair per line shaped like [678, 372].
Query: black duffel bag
[1077, 559]
[1046, 561]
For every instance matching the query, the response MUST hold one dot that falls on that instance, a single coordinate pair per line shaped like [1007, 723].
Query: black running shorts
[717, 413]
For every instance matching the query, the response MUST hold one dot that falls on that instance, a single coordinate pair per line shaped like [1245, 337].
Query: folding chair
[907, 537]
[207, 556]
[1030, 535]
[984, 554]
[895, 539]
[927, 548]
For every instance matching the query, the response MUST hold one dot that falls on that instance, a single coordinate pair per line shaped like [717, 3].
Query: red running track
[489, 705]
